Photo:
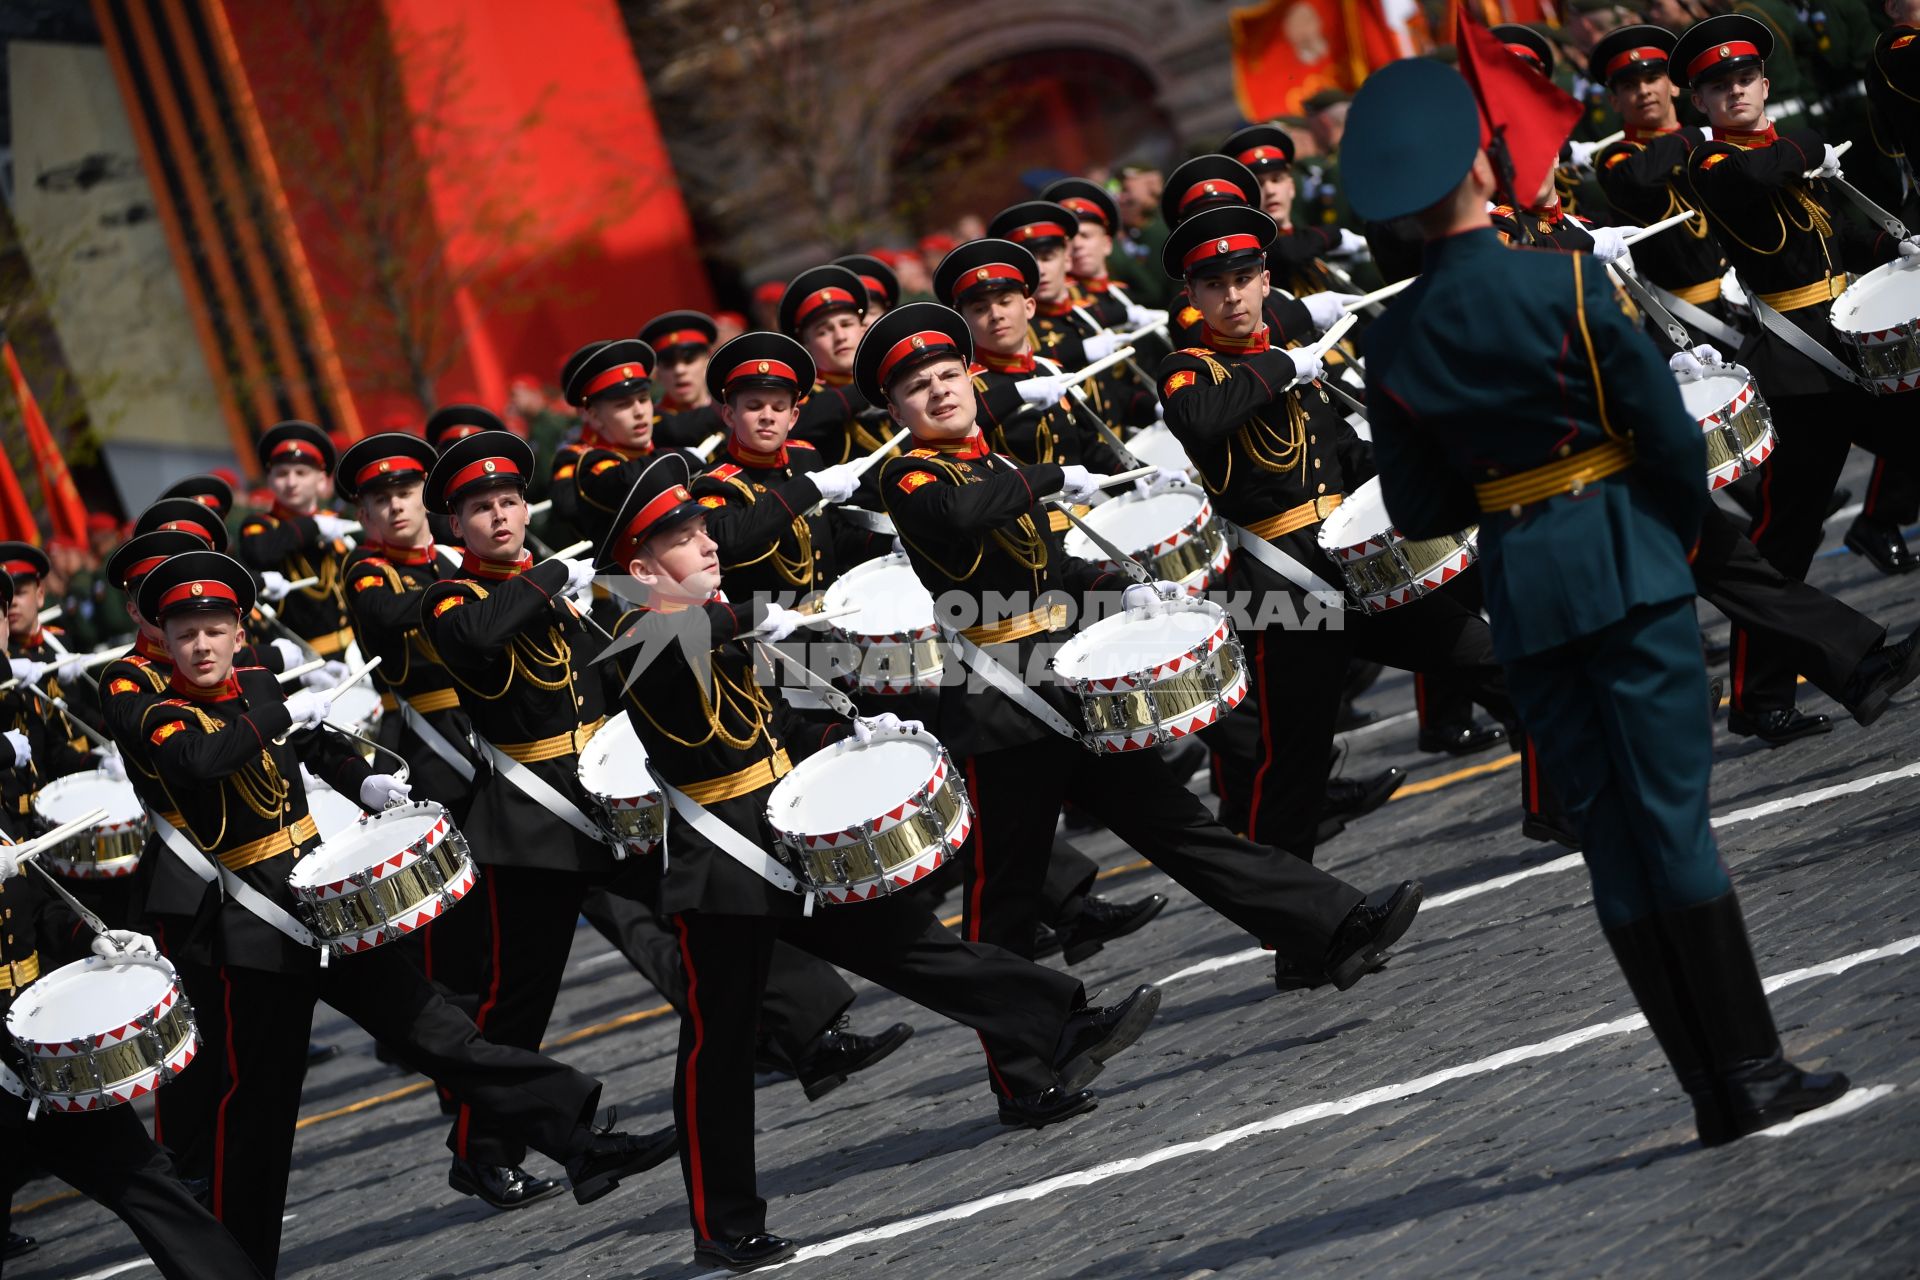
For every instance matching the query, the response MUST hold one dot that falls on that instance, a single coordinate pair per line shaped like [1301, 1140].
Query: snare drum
[1735, 420]
[100, 1032]
[104, 852]
[1385, 569]
[860, 820]
[1173, 533]
[625, 800]
[1145, 679]
[356, 709]
[1157, 446]
[893, 630]
[389, 874]
[332, 812]
[1878, 322]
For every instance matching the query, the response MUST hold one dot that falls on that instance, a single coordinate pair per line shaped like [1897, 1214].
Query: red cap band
[763, 369]
[819, 298]
[210, 590]
[1211, 189]
[645, 518]
[20, 569]
[612, 378]
[207, 500]
[683, 338]
[484, 469]
[1221, 248]
[987, 272]
[1721, 53]
[1257, 155]
[925, 340]
[1522, 51]
[144, 567]
[458, 433]
[386, 466]
[188, 526]
[296, 450]
[1086, 209]
[1037, 231]
[1626, 58]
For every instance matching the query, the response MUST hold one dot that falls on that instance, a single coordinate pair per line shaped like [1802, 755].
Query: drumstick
[814, 619]
[1654, 228]
[354, 676]
[1095, 368]
[1379, 295]
[1115, 480]
[61, 649]
[1839, 149]
[105, 656]
[832, 696]
[704, 450]
[61, 705]
[267, 611]
[1326, 341]
[49, 614]
[866, 464]
[402, 773]
[573, 550]
[74, 904]
[1109, 548]
[298, 583]
[294, 672]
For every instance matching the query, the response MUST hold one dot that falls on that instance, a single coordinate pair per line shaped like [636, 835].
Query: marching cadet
[881, 282]
[237, 789]
[825, 309]
[719, 743]
[565, 519]
[1584, 547]
[973, 524]
[1277, 457]
[1060, 332]
[682, 343]
[1893, 83]
[299, 538]
[1294, 261]
[1092, 245]
[104, 1154]
[35, 653]
[614, 385]
[1781, 235]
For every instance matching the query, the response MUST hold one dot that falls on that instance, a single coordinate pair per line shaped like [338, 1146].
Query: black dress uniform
[565, 515]
[1277, 461]
[1294, 257]
[58, 747]
[834, 418]
[1781, 234]
[715, 734]
[973, 523]
[685, 336]
[105, 1155]
[290, 543]
[239, 795]
[1216, 182]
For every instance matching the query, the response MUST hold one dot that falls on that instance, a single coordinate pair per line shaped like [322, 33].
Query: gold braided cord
[742, 701]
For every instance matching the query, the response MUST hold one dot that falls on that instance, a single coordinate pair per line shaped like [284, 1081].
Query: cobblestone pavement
[1466, 1112]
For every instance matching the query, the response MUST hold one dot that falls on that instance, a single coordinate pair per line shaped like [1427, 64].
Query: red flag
[65, 512]
[1285, 51]
[1529, 113]
[16, 517]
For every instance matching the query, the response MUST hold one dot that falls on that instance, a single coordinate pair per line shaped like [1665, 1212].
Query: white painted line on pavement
[120, 1270]
[1574, 861]
[1372, 725]
[1305, 1115]
[1851, 1101]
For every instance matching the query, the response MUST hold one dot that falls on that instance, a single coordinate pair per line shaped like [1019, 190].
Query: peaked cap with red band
[207, 490]
[295, 441]
[765, 360]
[905, 338]
[623, 367]
[671, 329]
[195, 580]
[1034, 223]
[1260, 147]
[185, 514]
[138, 556]
[1085, 199]
[476, 462]
[658, 500]
[392, 457]
[1719, 46]
[883, 286]
[1526, 44]
[1641, 49]
[1218, 240]
[452, 421]
[819, 292]
[1207, 182]
[981, 266]
[24, 560]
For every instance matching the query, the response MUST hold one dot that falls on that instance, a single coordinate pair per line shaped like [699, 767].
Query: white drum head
[1122, 644]
[365, 845]
[1361, 515]
[1157, 446]
[1135, 522]
[353, 706]
[67, 798]
[614, 763]
[1884, 298]
[857, 784]
[332, 812]
[1710, 394]
[890, 597]
[88, 997]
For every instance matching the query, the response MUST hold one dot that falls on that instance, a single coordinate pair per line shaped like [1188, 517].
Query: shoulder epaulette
[1199, 352]
[799, 444]
[257, 524]
[1502, 211]
[921, 453]
[725, 471]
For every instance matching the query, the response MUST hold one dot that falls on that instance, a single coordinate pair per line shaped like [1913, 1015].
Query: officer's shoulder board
[372, 571]
[1900, 42]
[725, 471]
[799, 444]
[173, 715]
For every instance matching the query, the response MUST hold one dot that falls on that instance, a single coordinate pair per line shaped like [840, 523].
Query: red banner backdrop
[1285, 51]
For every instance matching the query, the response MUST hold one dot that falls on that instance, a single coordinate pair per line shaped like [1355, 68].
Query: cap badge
[197, 589]
[1209, 188]
[764, 366]
[488, 466]
[1725, 52]
[982, 274]
[1221, 246]
[385, 465]
[919, 343]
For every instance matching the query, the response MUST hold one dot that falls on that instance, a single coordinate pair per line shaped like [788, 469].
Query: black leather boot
[1758, 1087]
[1653, 978]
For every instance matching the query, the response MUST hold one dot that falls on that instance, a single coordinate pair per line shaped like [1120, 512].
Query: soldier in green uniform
[1553, 422]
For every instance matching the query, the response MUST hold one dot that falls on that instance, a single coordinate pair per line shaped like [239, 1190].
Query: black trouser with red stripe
[262, 1049]
[1816, 432]
[1017, 792]
[1893, 495]
[1444, 699]
[108, 1157]
[1019, 1008]
[1297, 676]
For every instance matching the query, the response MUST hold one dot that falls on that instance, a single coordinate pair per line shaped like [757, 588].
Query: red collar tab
[1037, 231]
[1211, 189]
[201, 590]
[974, 446]
[478, 566]
[1750, 141]
[1553, 215]
[1095, 284]
[1251, 345]
[386, 467]
[817, 301]
[912, 344]
[36, 640]
[1240, 243]
[747, 457]
[152, 646]
[828, 378]
[483, 469]
[401, 555]
[1054, 310]
[222, 692]
[1718, 54]
[1645, 53]
[1648, 135]
[1022, 363]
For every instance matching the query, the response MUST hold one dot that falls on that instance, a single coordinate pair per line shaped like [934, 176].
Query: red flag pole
[66, 514]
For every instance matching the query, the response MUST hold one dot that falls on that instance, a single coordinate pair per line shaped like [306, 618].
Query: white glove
[1609, 243]
[27, 671]
[383, 791]
[1159, 482]
[1909, 252]
[308, 706]
[1078, 483]
[778, 623]
[22, 749]
[115, 943]
[273, 586]
[70, 671]
[1829, 163]
[1327, 309]
[11, 862]
[1042, 389]
[1146, 597]
[1141, 317]
[291, 654]
[580, 577]
[1101, 345]
[1580, 154]
[1691, 366]
[1307, 366]
[331, 526]
[1352, 242]
[837, 482]
[113, 765]
[864, 727]
[326, 675]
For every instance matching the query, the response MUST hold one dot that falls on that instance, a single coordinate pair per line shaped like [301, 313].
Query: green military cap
[1411, 137]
